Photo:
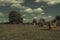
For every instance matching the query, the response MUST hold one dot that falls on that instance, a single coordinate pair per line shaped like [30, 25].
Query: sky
[30, 9]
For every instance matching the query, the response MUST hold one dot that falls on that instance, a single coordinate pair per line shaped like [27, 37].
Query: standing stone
[34, 22]
[53, 24]
[41, 22]
[49, 25]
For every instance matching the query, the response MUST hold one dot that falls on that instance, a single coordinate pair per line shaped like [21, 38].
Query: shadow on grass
[50, 30]
[44, 29]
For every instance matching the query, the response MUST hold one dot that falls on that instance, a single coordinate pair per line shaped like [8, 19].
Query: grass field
[27, 32]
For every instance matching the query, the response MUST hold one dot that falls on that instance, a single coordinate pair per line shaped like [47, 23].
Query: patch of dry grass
[27, 32]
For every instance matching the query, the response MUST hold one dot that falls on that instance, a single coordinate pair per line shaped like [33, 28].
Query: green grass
[27, 32]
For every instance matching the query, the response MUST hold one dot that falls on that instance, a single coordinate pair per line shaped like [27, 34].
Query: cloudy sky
[30, 9]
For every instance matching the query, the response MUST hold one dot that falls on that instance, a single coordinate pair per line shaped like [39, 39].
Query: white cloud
[49, 2]
[28, 10]
[38, 10]
[2, 20]
[52, 2]
[49, 16]
[24, 15]
[42, 13]
[11, 1]
[39, 16]
[35, 17]
[26, 20]
[1, 14]
[16, 5]
[37, 1]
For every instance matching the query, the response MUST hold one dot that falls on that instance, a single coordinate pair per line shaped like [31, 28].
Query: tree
[15, 17]
[58, 20]
[34, 21]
